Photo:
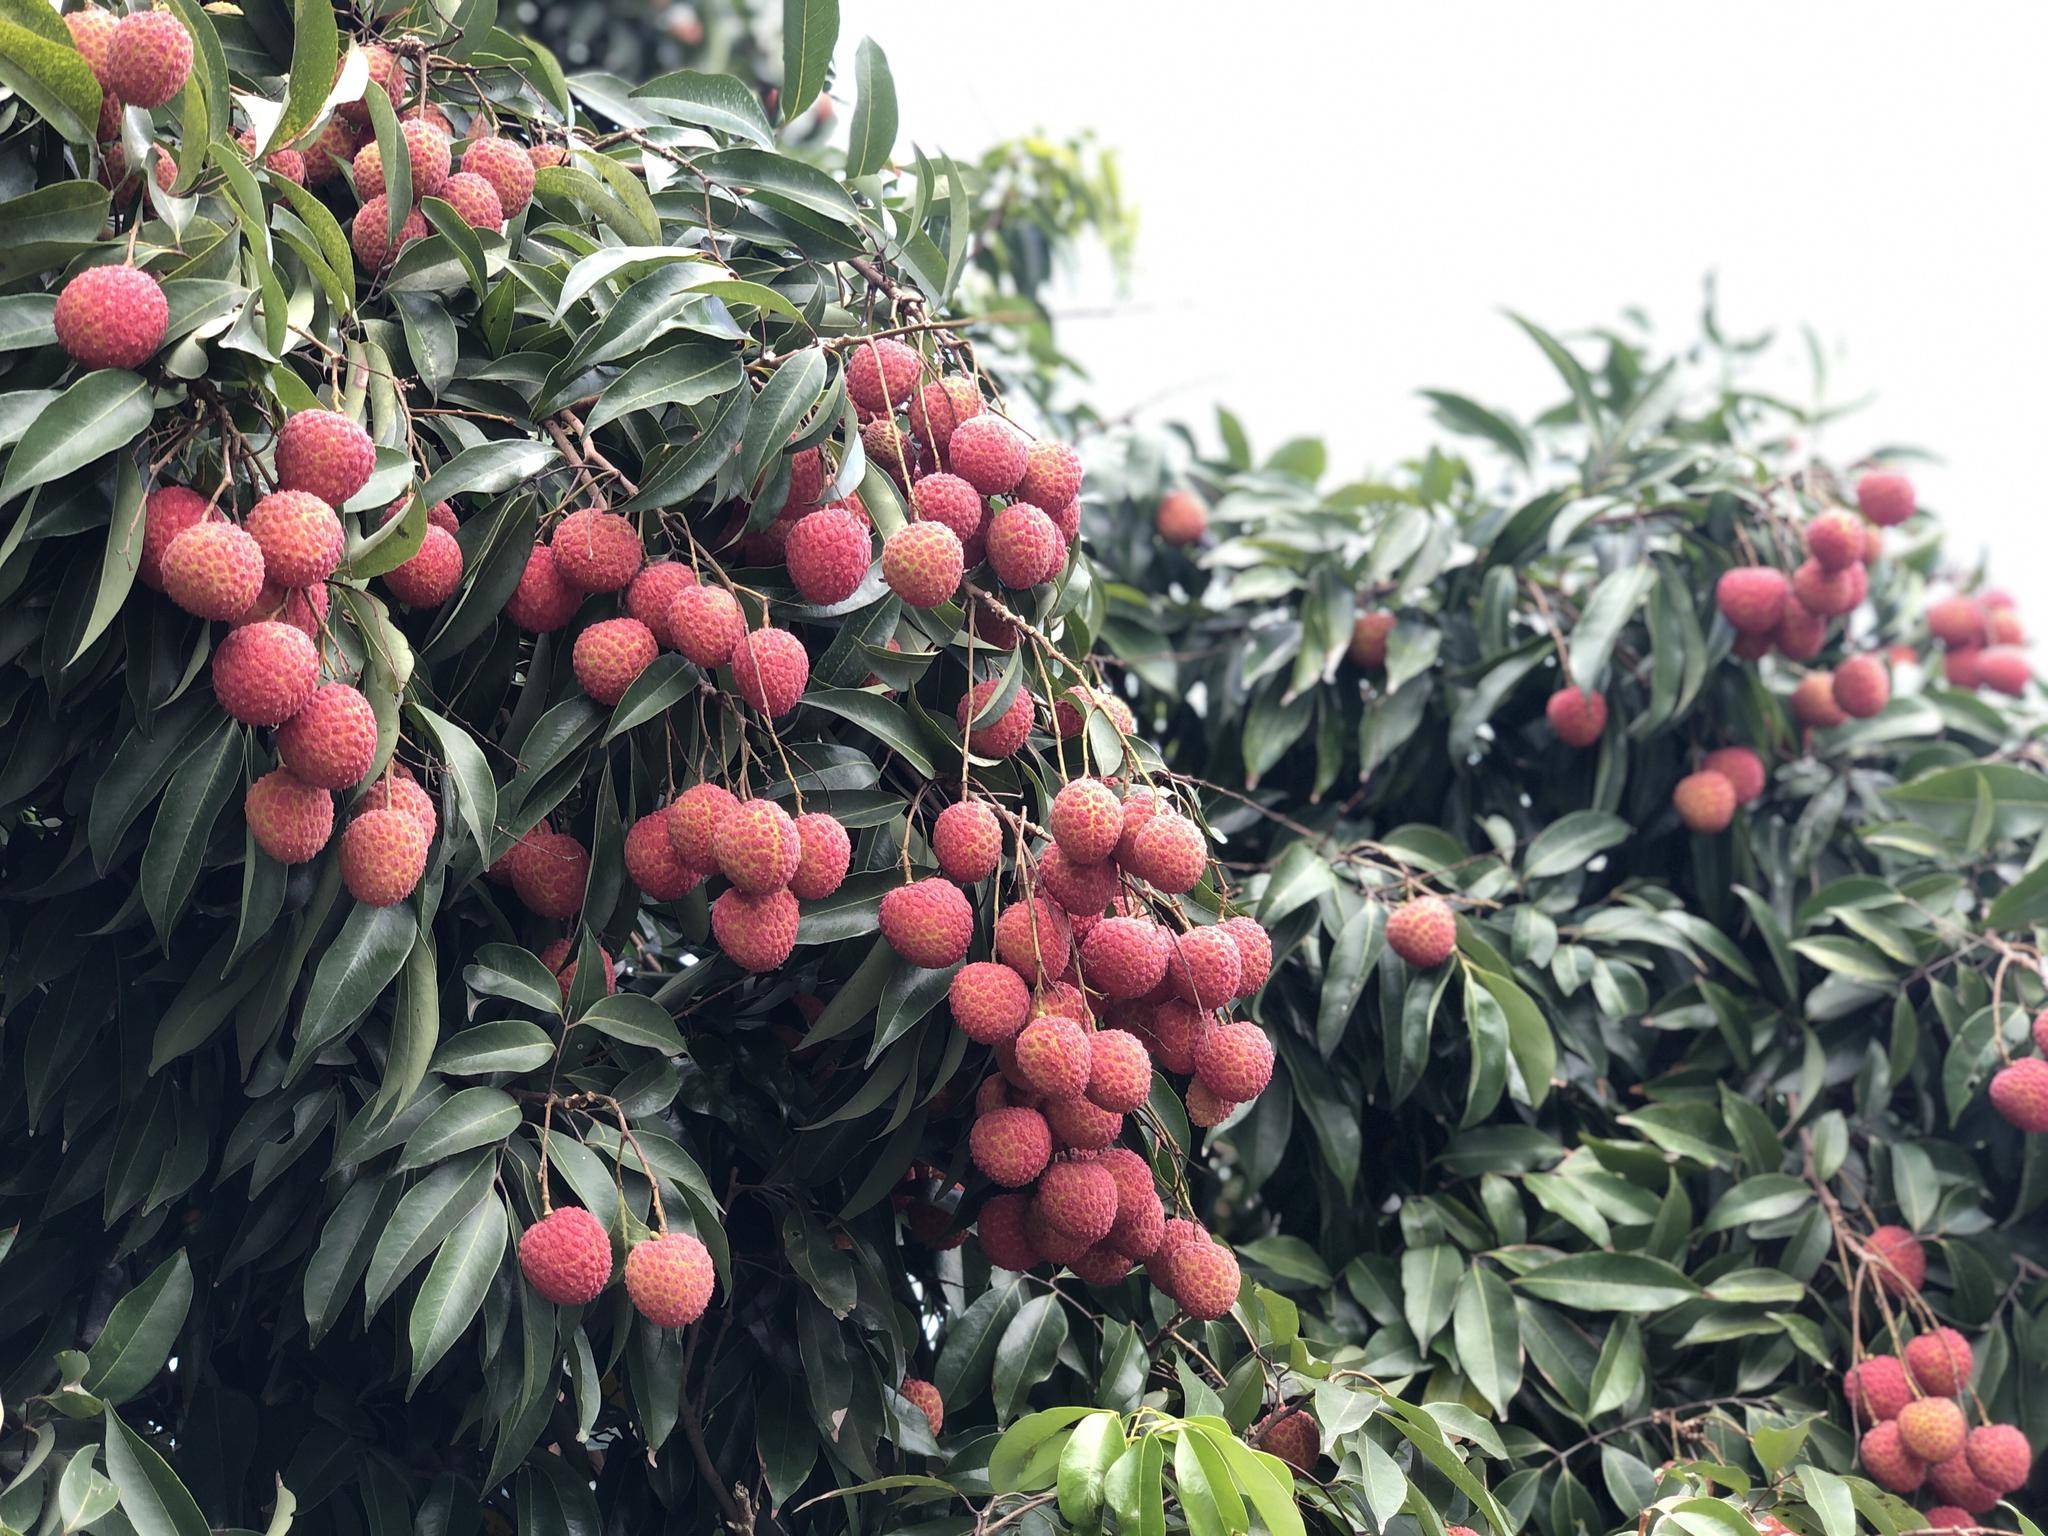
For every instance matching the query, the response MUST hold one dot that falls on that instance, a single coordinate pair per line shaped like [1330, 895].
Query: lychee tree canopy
[1603, 1181]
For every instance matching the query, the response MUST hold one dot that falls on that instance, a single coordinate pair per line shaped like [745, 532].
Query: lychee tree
[1646, 817]
[563, 844]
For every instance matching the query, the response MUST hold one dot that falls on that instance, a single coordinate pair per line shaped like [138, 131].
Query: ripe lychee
[112, 316]
[1423, 931]
[756, 932]
[1053, 1057]
[1800, 633]
[705, 623]
[1955, 1481]
[988, 453]
[2040, 1031]
[1000, 1225]
[429, 576]
[2000, 1456]
[1941, 1517]
[1254, 952]
[1751, 598]
[397, 789]
[552, 875]
[332, 740]
[939, 407]
[1024, 547]
[1181, 519]
[299, 535]
[999, 735]
[1705, 801]
[1577, 715]
[213, 570]
[1126, 957]
[881, 372]
[928, 922]
[1034, 939]
[1887, 1460]
[369, 233]
[1079, 1198]
[1368, 644]
[922, 563]
[383, 855]
[967, 840]
[826, 853]
[828, 553]
[1203, 967]
[1814, 704]
[1835, 539]
[558, 958]
[92, 34]
[542, 601]
[1234, 1061]
[168, 512]
[1932, 1428]
[1119, 1071]
[1830, 593]
[1203, 1277]
[1741, 767]
[1086, 819]
[770, 668]
[474, 200]
[892, 451]
[506, 166]
[1940, 1362]
[1885, 498]
[1205, 1107]
[1058, 1248]
[1169, 853]
[1011, 1146]
[1290, 1434]
[651, 595]
[1862, 687]
[990, 1002]
[149, 58]
[694, 818]
[1052, 476]
[1077, 705]
[926, 1397]
[324, 453]
[2019, 1092]
[1897, 1259]
[948, 500]
[2003, 626]
[610, 655]
[669, 1279]
[263, 674]
[384, 71]
[426, 149]
[1878, 1388]
[1101, 1264]
[566, 1256]
[652, 863]
[596, 550]
[2003, 669]
[757, 846]
[290, 820]
[1956, 620]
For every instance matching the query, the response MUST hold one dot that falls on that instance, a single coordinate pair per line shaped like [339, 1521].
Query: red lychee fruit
[1101, 1264]
[542, 601]
[263, 674]
[2040, 1031]
[1751, 598]
[1001, 1228]
[1052, 476]
[545, 155]
[1368, 645]
[756, 932]
[694, 818]
[1126, 957]
[1800, 633]
[1078, 1198]
[1878, 1388]
[1955, 1481]
[1291, 1435]
[939, 407]
[1705, 801]
[168, 512]
[1940, 1362]
[112, 316]
[1072, 711]
[299, 535]
[1835, 539]
[2019, 1092]
[1577, 715]
[566, 1256]
[757, 846]
[1181, 519]
[332, 740]
[1203, 1278]
[1011, 1146]
[1086, 819]
[1956, 620]
[950, 501]
[1168, 853]
[967, 840]
[1203, 968]
[990, 1002]
[1940, 1518]
[383, 855]
[596, 550]
[1119, 1071]
[1885, 498]
[369, 233]
[1932, 1428]
[325, 454]
[610, 654]
[928, 922]
[1234, 1061]
[828, 553]
[652, 863]
[988, 453]
[1888, 1461]
[290, 820]
[926, 1397]
[2003, 669]
[826, 853]
[1897, 1259]
[999, 735]
[1423, 931]
[149, 58]
[669, 1279]
[922, 563]
[1080, 890]
[92, 34]
[893, 452]
[1033, 938]
[430, 575]
[1053, 1058]
[770, 669]
[651, 595]
[1862, 687]
[474, 200]
[705, 624]
[2003, 626]
[1205, 1107]
[1254, 952]
[397, 789]
[881, 373]
[1741, 767]
[1830, 593]
[426, 148]
[1024, 547]
[506, 167]
[1814, 704]
[552, 875]
[557, 958]
[2000, 1456]
[504, 870]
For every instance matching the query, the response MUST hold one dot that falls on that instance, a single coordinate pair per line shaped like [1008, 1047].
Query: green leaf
[1488, 1336]
[1767, 1197]
[810, 34]
[782, 404]
[472, 1118]
[139, 1332]
[361, 962]
[1092, 1449]
[718, 102]
[873, 132]
[152, 1498]
[1566, 844]
[183, 827]
[454, 1288]
[1027, 1353]
[123, 555]
[1602, 620]
[681, 375]
[884, 719]
[1610, 1282]
[52, 78]
[316, 45]
[99, 413]
[636, 1020]
[1429, 1283]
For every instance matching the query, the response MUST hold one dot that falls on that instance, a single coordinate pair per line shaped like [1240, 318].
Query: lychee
[1835, 539]
[1705, 801]
[1203, 1277]
[332, 740]
[1056, 1247]
[429, 576]
[1052, 476]
[694, 818]
[1940, 1362]
[168, 512]
[149, 58]
[1033, 938]
[1234, 1061]
[426, 149]
[1072, 711]
[990, 1002]
[263, 674]
[922, 563]
[1423, 931]
[299, 535]
[552, 876]
[506, 166]
[369, 233]
[928, 922]
[1577, 715]
[1000, 1225]
[1814, 704]
[1011, 1146]
[890, 450]
[967, 840]
[1291, 1435]
[290, 820]
[609, 655]
[398, 789]
[474, 200]
[1203, 967]
[1897, 1259]
[1878, 1388]
[325, 454]
[1169, 853]
[542, 601]
[669, 1279]
[999, 735]
[2000, 1456]
[705, 623]
[1956, 1481]
[1862, 687]
[651, 595]
[826, 852]
[1887, 1460]
[1368, 645]
[926, 1397]
[2003, 627]
[881, 372]
[757, 846]
[2003, 669]
[1800, 633]
[828, 553]
[1126, 957]
[1024, 547]
[770, 669]
[756, 932]
[1254, 952]
[1830, 593]
[1956, 620]
[558, 957]
[1885, 498]
[1119, 1071]
[1751, 598]
[1741, 767]
[1932, 1428]
[596, 550]
[1101, 1264]
[939, 407]
[566, 1256]
[1053, 1058]
[2019, 1092]
[652, 863]
[112, 316]
[1079, 1198]
[1181, 519]
[1086, 819]
[505, 868]
[988, 453]
[2040, 1031]
[948, 500]
[1941, 1517]
[92, 34]
[383, 855]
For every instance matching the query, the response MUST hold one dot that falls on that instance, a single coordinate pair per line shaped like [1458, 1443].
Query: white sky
[1337, 200]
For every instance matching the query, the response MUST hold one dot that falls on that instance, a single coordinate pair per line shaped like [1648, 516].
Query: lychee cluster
[1982, 638]
[1916, 1432]
[2019, 1089]
[566, 1257]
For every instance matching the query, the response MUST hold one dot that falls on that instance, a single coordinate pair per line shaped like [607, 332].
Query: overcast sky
[1338, 198]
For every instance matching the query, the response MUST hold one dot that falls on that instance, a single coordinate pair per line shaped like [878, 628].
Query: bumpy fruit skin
[1291, 1435]
[1932, 1428]
[543, 601]
[1011, 1145]
[1205, 1107]
[149, 58]
[1119, 1071]
[596, 550]
[1034, 939]
[705, 624]
[168, 512]
[1079, 1198]
[474, 200]
[2000, 1456]
[1888, 1461]
[1203, 967]
[383, 855]
[886, 445]
[1862, 687]
[1234, 1061]
[1751, 598]
[951, 502]
[1000, 1226]
[2004, 669]
[506, 166]
[1052, 476]
[1169, 852]
[693, 822]
[1423, 931]
[1940, 1362]
[990, 1002]
[610, 654]
[1024, 546]
[426, 148]
[2019, 1092]
[550, 879]
[668, 1278]
[1576, 715]
[928, 922]
[1086, 819]
[1741, 767]
[1254, 952]
[299, 535]
[325, 453]
[651, 861]
[926, 1397]
[770, 668]
[1897, 1258]
[1830, 593]
[1181, 519]
[828, 553]
[2003, 626]
[429, 577]
[369, 233]
[557, 958]
[1835, 539]
[92, 33]
[1053, 1058]
[1101, 1264]
[398, 789]
[1884, 498]
[1705, 802]
[939, 407]
[1125, 957]
[756, 932]
[988, 453]
[290, 820]
[967, 840]
[566, 1256]
[1800, 633]
[263, 674]
[1203, 1278]
[1955, 1481]
[1813, 702]
[1878, 1388]
[287, 163]
[822, 865]
[1368, 645]
[332, 740]
[756, 846]
[213, 571]
[1078, 1125]
[112, 316]
[1001, 735]
[1944, 1517]
[651, 596]
[923, 563]
[881, 372]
